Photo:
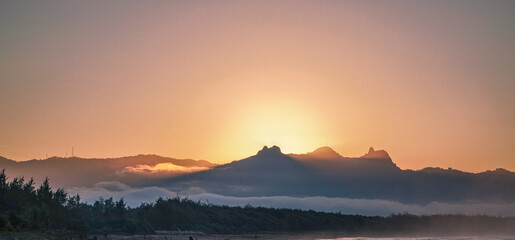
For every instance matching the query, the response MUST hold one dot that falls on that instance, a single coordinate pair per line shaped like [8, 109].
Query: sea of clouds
[370, 207]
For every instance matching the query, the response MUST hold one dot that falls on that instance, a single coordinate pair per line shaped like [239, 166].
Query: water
[426, 238]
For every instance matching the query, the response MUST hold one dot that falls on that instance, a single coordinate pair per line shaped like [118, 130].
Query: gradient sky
[431, 82]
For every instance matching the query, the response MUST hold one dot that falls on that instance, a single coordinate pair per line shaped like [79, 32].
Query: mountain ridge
[382, 154]
[269, 172]
[372, 176]
[76, 171]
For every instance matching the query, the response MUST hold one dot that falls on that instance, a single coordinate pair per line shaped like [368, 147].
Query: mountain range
[323, 172]
[82, 172]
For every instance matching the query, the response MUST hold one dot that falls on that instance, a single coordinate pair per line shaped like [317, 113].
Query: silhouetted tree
[25, 208]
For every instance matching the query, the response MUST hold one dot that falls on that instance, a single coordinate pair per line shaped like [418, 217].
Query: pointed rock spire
[371, 150]
[379, 154]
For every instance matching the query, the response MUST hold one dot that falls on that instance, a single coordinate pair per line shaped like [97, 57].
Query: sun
[291, 126]
[288, 130]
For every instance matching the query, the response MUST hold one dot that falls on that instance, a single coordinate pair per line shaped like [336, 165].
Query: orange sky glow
[430, 82]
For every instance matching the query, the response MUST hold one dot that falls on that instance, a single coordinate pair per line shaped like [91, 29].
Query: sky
[431, 82]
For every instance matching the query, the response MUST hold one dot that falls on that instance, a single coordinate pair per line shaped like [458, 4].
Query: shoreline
[188, 235]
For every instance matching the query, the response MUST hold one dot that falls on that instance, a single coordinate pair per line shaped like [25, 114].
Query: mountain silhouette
[77, 172]
[269, 172]
[319, 153]
[324, 172]
[330, 162]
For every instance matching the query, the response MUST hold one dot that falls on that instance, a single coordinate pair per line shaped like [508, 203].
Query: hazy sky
[432, 82]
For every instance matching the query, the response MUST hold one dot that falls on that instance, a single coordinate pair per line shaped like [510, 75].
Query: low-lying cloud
[161, 168]
[370, 207]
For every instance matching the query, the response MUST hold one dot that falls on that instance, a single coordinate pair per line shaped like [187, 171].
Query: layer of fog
[370, 207]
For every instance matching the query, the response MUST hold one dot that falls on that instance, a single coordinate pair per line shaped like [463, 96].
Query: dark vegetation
[23, 207]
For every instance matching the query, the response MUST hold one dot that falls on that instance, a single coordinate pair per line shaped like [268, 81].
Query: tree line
[23, 207]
